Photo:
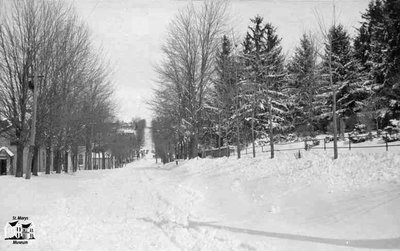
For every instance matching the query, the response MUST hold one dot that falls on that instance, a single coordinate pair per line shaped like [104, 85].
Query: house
[6, 161]
[8, 157]
[97, 159]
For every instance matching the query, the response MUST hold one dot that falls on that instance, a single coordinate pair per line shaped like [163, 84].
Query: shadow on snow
[393, 243]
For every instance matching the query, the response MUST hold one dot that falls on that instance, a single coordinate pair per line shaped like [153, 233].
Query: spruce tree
[377, 47]
[391, 56]
[264, 71]
[346, 78]
[225, 89]
[303, 86]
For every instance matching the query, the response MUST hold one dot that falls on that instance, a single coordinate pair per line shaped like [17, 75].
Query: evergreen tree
[303, 86]
[225, 89]
[365, 42]
[391, 56]
[264, 71]
[347, 81]
[377, 47]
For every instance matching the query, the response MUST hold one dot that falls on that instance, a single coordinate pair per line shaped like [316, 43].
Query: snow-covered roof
[7, 151]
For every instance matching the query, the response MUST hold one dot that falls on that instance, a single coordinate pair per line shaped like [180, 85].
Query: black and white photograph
[200, 125]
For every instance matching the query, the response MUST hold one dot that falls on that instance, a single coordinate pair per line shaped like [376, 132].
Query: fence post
[262, 149]
[325, 144]
[349, 144]
[387, 146]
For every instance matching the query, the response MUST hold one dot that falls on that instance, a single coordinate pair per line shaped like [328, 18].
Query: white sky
[131, 33]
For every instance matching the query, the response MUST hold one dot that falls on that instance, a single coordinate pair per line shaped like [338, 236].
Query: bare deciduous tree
[47, 38]
[189, 64]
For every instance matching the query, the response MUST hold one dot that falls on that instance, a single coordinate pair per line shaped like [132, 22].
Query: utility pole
[33, 125]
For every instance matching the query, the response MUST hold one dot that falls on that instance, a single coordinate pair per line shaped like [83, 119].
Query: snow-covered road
[149, 207]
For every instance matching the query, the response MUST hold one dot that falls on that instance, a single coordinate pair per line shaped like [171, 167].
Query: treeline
[46, 48]
[124, 140]
[215, 91]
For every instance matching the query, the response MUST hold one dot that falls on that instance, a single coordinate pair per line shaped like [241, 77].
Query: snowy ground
[312, 203]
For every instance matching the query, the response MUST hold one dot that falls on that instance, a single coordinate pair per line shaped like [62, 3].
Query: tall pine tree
[264, 63]
[225, 89]
[392, 55]
[346, 80]
[377, 47]
[303, 87]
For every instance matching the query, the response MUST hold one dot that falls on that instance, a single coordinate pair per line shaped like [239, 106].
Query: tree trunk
[89, 163]
[238, 139]
[191, 147]
[57, 161]
[253, 135]
[183, 149]
[219, 134]
[75, 158]
[20, 160]
[237, 116]
[193, 144]
[271, 139]
[29, 162]
[86, 160]
[73, 161]
[335, 150]
[48, 159]
[196, 144]
[271, 132]
[187, 153]
[90, 159]
[103, 160]
[66, 161]
[35, 161]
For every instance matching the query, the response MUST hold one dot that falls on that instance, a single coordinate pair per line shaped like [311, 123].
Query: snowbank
[349, 171]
